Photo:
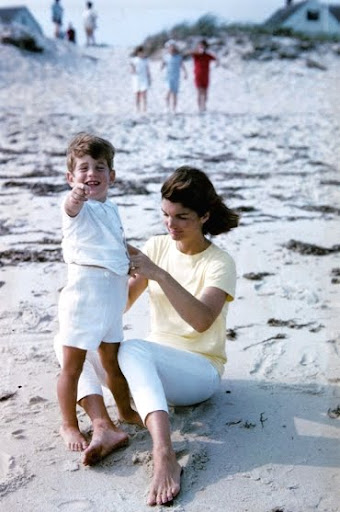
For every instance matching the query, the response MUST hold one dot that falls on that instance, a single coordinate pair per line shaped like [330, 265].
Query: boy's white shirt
[95, 237]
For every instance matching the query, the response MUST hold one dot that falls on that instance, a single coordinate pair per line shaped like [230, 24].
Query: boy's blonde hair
[87, 144]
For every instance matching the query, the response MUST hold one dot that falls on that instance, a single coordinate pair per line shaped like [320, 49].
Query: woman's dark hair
[193, 189]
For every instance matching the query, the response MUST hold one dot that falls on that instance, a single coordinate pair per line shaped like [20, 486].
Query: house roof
[335, 10]
[7, 14]
[281, 15]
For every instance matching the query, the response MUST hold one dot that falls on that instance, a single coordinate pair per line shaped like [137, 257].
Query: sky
[129, 22]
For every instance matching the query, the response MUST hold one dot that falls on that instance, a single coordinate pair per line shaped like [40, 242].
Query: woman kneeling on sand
[190, 282]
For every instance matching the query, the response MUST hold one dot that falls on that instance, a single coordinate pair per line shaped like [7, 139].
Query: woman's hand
[141, 265]
[200, 312]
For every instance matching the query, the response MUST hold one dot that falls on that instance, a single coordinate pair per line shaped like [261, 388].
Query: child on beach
[90, 23]
[202, 59]
[141, 77]
[92, 303]
[173, 62]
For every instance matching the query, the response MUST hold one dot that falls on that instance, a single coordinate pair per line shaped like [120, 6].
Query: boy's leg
[138, 101]
[116, 383]
[200, 101]
[204, 98]
[167, 99]
[174, 101]
[145, 104]
[106, 436]
[73, 360]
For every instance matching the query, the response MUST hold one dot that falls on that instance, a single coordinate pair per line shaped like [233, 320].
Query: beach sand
[269, 440]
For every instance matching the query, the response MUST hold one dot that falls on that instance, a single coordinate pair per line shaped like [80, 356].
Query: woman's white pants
[157, 375]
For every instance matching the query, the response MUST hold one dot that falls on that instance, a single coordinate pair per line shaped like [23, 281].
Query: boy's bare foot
[73, 438]
[166, 481]
[131, 416]
[104, 441]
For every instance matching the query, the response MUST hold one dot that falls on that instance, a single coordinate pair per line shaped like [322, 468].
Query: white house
[309, 17]
[20, 15]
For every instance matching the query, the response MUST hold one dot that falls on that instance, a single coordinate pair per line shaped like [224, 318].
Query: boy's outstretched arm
[75, 199]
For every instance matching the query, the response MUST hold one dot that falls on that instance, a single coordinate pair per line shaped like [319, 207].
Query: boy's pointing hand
[81, 192]
[76, 198]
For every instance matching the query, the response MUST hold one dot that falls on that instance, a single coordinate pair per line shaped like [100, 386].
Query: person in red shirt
[202, 59]
[71, 34]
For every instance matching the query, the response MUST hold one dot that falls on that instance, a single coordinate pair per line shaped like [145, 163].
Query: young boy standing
[92, 303]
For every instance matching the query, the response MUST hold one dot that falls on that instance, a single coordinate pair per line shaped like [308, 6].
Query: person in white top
[141, 77]
[90, 23]
[92, 303]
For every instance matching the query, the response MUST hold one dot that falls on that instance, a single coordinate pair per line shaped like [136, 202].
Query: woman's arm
[137, 285]
[200, 312]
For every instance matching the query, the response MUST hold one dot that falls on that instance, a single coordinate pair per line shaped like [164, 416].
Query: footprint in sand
[31, 318]
[76, 506]
[6, 464]
[307, 359]
[267, 360]
[19, 434]
[37, 400]
[13, 473]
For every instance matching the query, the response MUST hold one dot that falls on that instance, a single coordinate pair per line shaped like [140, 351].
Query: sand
[269, 440]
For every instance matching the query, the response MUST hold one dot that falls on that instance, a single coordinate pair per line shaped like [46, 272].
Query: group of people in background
[89, 22]
[173, 63]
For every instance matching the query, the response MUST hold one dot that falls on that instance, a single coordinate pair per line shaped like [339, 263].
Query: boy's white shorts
[91, 307]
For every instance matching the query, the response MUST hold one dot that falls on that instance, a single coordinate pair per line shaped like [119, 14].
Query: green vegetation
[288, 32]
[207, 25]
[210, 26]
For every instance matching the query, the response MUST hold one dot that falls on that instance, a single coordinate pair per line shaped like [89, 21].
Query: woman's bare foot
[73, 438]
[130, 416]
[166, 481]
[106, 438]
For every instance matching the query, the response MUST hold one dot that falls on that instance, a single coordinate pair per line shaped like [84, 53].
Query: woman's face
[182, 223]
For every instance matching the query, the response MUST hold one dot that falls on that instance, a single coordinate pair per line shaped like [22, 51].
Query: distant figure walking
[141, 77]
[202, 59]
[57, 18]
[90, 23]
[173, 62]
[71, 33]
